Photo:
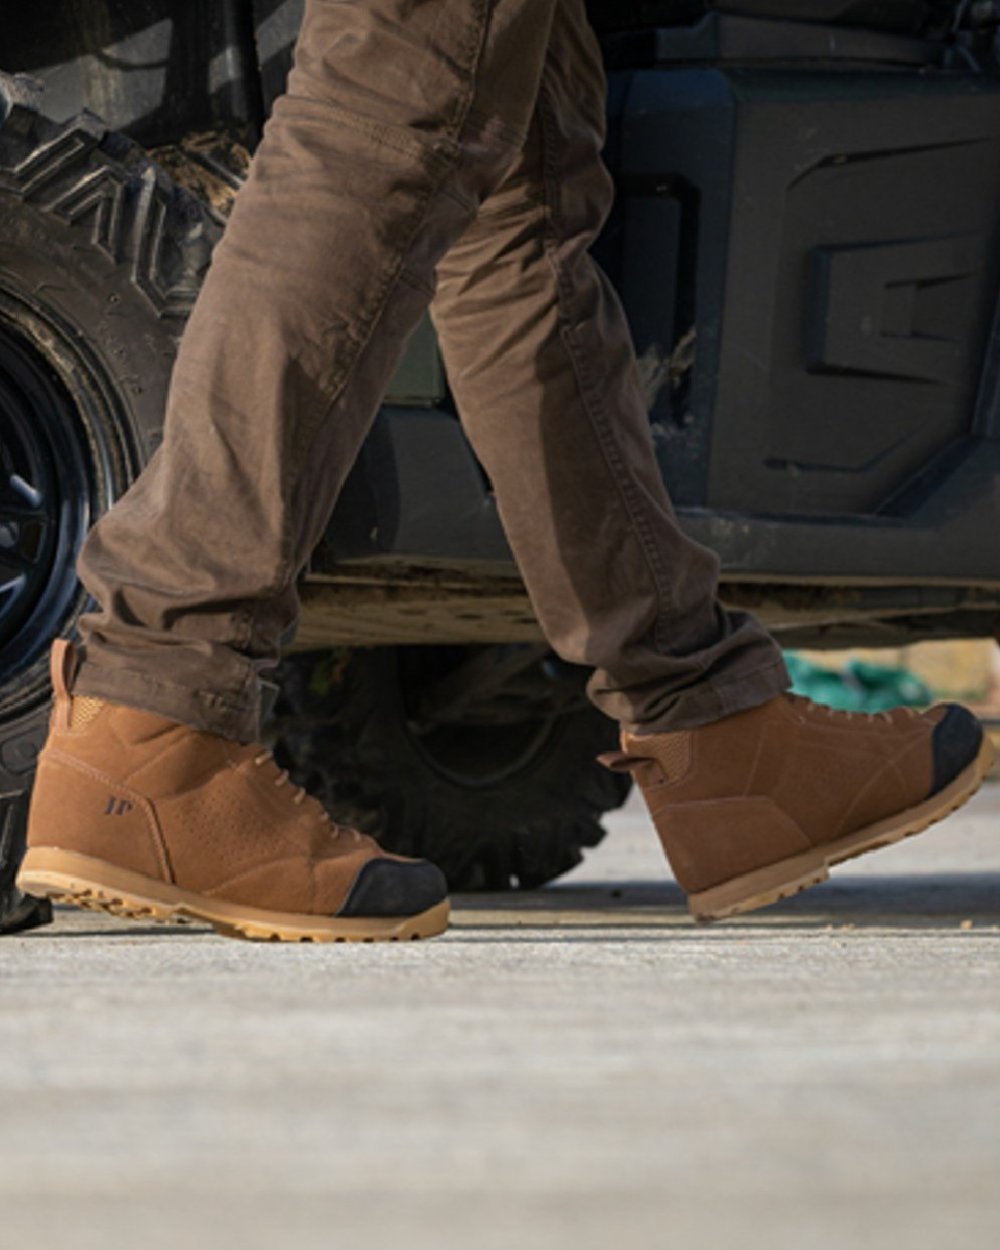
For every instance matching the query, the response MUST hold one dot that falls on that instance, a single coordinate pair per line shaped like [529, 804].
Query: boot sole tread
[94, 885]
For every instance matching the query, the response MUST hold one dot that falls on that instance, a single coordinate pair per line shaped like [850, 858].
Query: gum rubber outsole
[791, 876]
[68, 877]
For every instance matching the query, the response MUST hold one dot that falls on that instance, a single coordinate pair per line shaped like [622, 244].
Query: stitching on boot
[246, 873]
[763, 739]
[892, 764]
[54, 756]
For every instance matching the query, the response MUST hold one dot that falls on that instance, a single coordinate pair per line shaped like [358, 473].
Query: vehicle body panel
[807, 251]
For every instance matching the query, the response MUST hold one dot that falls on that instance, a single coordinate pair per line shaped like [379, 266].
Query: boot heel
[756, 889]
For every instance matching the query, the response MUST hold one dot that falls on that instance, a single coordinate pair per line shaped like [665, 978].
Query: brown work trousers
[427, 152]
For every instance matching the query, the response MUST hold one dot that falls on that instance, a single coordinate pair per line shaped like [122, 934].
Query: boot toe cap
[393, 887]
[956, 742]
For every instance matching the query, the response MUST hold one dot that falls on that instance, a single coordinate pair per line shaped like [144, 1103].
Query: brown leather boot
[143, 817]
[760, 805]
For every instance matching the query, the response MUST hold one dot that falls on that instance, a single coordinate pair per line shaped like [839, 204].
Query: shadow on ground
[920, 901]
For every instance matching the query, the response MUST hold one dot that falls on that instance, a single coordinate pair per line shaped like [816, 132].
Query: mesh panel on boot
[83, 710]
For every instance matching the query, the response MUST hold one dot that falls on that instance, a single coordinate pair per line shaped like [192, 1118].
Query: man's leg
[754, 793]
[540, 359]
[399, 118]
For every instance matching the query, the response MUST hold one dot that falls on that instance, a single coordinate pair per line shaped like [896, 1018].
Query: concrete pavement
[576, 1068]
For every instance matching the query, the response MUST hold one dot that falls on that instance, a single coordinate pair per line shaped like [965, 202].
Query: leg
[754, 793]
[402, 115]
[399, 119]
[540, 358]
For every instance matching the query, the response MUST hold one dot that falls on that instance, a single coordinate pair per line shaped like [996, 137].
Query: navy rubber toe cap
[957, 739]
[388, 887]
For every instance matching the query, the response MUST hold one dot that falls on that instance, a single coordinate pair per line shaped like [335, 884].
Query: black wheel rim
[46, 501]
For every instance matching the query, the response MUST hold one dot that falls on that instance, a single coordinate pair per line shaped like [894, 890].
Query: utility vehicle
[806, 243]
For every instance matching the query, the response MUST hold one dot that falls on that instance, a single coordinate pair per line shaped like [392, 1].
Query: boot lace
[300, 795]
[833, 713]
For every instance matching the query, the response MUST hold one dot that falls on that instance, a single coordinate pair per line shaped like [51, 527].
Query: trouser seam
[473, 57]
[461, 201]
[367, 324]
[417, 283]
[359, 342]
[599, 418]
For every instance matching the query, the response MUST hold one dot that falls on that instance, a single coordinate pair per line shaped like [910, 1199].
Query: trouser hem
[205, 710]
[706, 704]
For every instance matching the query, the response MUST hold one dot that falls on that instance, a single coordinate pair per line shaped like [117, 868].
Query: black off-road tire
[101, 257]
[495, 807]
